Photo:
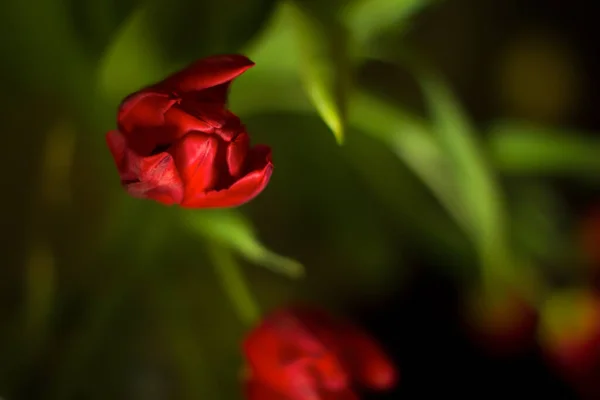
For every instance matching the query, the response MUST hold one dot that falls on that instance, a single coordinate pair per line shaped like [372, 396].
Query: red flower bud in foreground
[304, 354]
[177, 143]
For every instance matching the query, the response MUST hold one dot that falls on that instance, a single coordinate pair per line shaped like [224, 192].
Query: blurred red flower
[503, 325]
[570, 338]
[177, 143]
[302, 353]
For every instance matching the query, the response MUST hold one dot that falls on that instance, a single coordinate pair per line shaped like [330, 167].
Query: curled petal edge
[243, 190]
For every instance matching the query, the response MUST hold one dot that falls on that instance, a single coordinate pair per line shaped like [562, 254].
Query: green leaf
[232, 229]
[324, 65]
[234, 283]
[96, 21]
[523, 148]
[537, 213]
[160, 37]
[133, 60]
[274, 83]
[369, 18]
[405, 197]
[413, 142]
[481, 198]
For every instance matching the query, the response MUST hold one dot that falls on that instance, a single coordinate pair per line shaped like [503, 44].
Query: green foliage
[412, 141]
[325, 66]
[480, 197]
[231, 229]
[368, 19]
[132, 60]
[522, 148]
[275, 75]
[91, 271]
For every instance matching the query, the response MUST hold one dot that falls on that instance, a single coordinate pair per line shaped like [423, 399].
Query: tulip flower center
[160, 148]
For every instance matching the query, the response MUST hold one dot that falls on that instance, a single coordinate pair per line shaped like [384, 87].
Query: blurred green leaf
[405, 201]
[538, 219]
[369, 18]
[233, 230]
[481, 198]
[133, 60]
[233, 283]
[160, 37]
[96, 21]
[523, 148]
[274, 83]
[412, 141]
[324, 65]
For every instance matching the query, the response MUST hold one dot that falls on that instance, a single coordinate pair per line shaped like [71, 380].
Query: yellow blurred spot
[572, 316]
[539, 78]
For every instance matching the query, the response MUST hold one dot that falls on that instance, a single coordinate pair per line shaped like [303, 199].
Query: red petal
[255, 390]
[367, 362]
[141, 119]
[143, 109]
[291, 359]
[213, 115]
[118, 147]
[321, 324]
[330, 371]
[346, 394]
[207, 73]
[243, 190]
[195, 160]
[153, 177]
[262, 348]
[236, 154]
[216, 94]
[183, 123]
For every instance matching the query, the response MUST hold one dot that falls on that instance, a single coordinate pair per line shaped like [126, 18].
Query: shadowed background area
[436, 180]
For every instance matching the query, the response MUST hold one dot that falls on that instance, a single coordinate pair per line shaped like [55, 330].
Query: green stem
[234, 284]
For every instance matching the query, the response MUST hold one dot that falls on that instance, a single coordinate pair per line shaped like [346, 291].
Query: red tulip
[177, 143]
[570, 336]
[301, 353]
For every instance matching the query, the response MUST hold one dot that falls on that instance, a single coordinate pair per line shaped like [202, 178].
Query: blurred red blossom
[177, 143]
[502, 324]
[570, 338]
[302, 353]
